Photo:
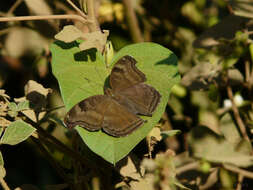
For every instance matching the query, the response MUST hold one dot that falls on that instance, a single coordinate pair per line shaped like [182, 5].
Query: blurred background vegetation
[212, 106]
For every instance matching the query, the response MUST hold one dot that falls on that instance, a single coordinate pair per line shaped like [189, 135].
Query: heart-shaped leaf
[83, 74]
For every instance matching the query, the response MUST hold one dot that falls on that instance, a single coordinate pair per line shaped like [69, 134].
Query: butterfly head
[68, 122]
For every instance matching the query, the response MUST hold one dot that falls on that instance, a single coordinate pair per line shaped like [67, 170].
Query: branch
[59, 170]
[186, 167]
[132, 22]
[4, 184]
[45, 17]
[235, 169]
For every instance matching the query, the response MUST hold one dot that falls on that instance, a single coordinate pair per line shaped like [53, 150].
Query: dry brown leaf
[69, 34]
[95, 40]
[4, 122]
[3, 108]
[36, 94]
[156, 133]
[4, 96]
[153, 137]
[34, 86]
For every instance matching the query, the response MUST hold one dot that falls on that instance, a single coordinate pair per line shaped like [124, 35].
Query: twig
[45, 17]
[91, 16]
[236, 112]
[4, 184]
[247, 71]
[235, 169]
[14, 6]
[77, 9]
[239, 183]
[59, 170]
[132, 22]
[186, 167]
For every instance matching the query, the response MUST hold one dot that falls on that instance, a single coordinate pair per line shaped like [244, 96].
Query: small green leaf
[13, 106]
[23, 105]
[170, 133]
[17, 132]
[83, 74]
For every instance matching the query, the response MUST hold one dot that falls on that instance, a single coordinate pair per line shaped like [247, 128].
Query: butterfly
[116, 112]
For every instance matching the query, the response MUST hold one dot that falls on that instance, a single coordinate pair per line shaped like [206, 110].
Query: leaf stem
[14, 6]
[45, 17]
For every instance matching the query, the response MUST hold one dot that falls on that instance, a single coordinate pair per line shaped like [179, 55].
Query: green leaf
[13, 112]
[13, 106]
[23, 105]
[2, 169]
[207, 145]
[83, 74]
[16, 132]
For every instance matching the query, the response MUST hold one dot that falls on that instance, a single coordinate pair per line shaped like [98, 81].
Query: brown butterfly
[116, 111]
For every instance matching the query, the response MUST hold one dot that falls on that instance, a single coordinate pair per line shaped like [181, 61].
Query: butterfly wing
[125, 74]
[139, 99]
[101, 111]
[87, 113]
[118, 121]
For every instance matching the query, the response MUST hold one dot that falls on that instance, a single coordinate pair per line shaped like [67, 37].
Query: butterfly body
[116, 111]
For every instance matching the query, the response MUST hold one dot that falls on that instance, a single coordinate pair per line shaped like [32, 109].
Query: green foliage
[86, 77]
[16, 132]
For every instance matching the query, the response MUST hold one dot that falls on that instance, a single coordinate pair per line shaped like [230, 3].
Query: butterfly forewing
[125, 74]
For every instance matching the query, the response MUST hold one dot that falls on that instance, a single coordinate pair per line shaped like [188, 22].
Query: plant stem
[132, 22]
[236, 112]
[59, 170]
[77, 9]
[235, 169]
[45, 17]
[4, 184]
[91, 16]
[239, 183]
